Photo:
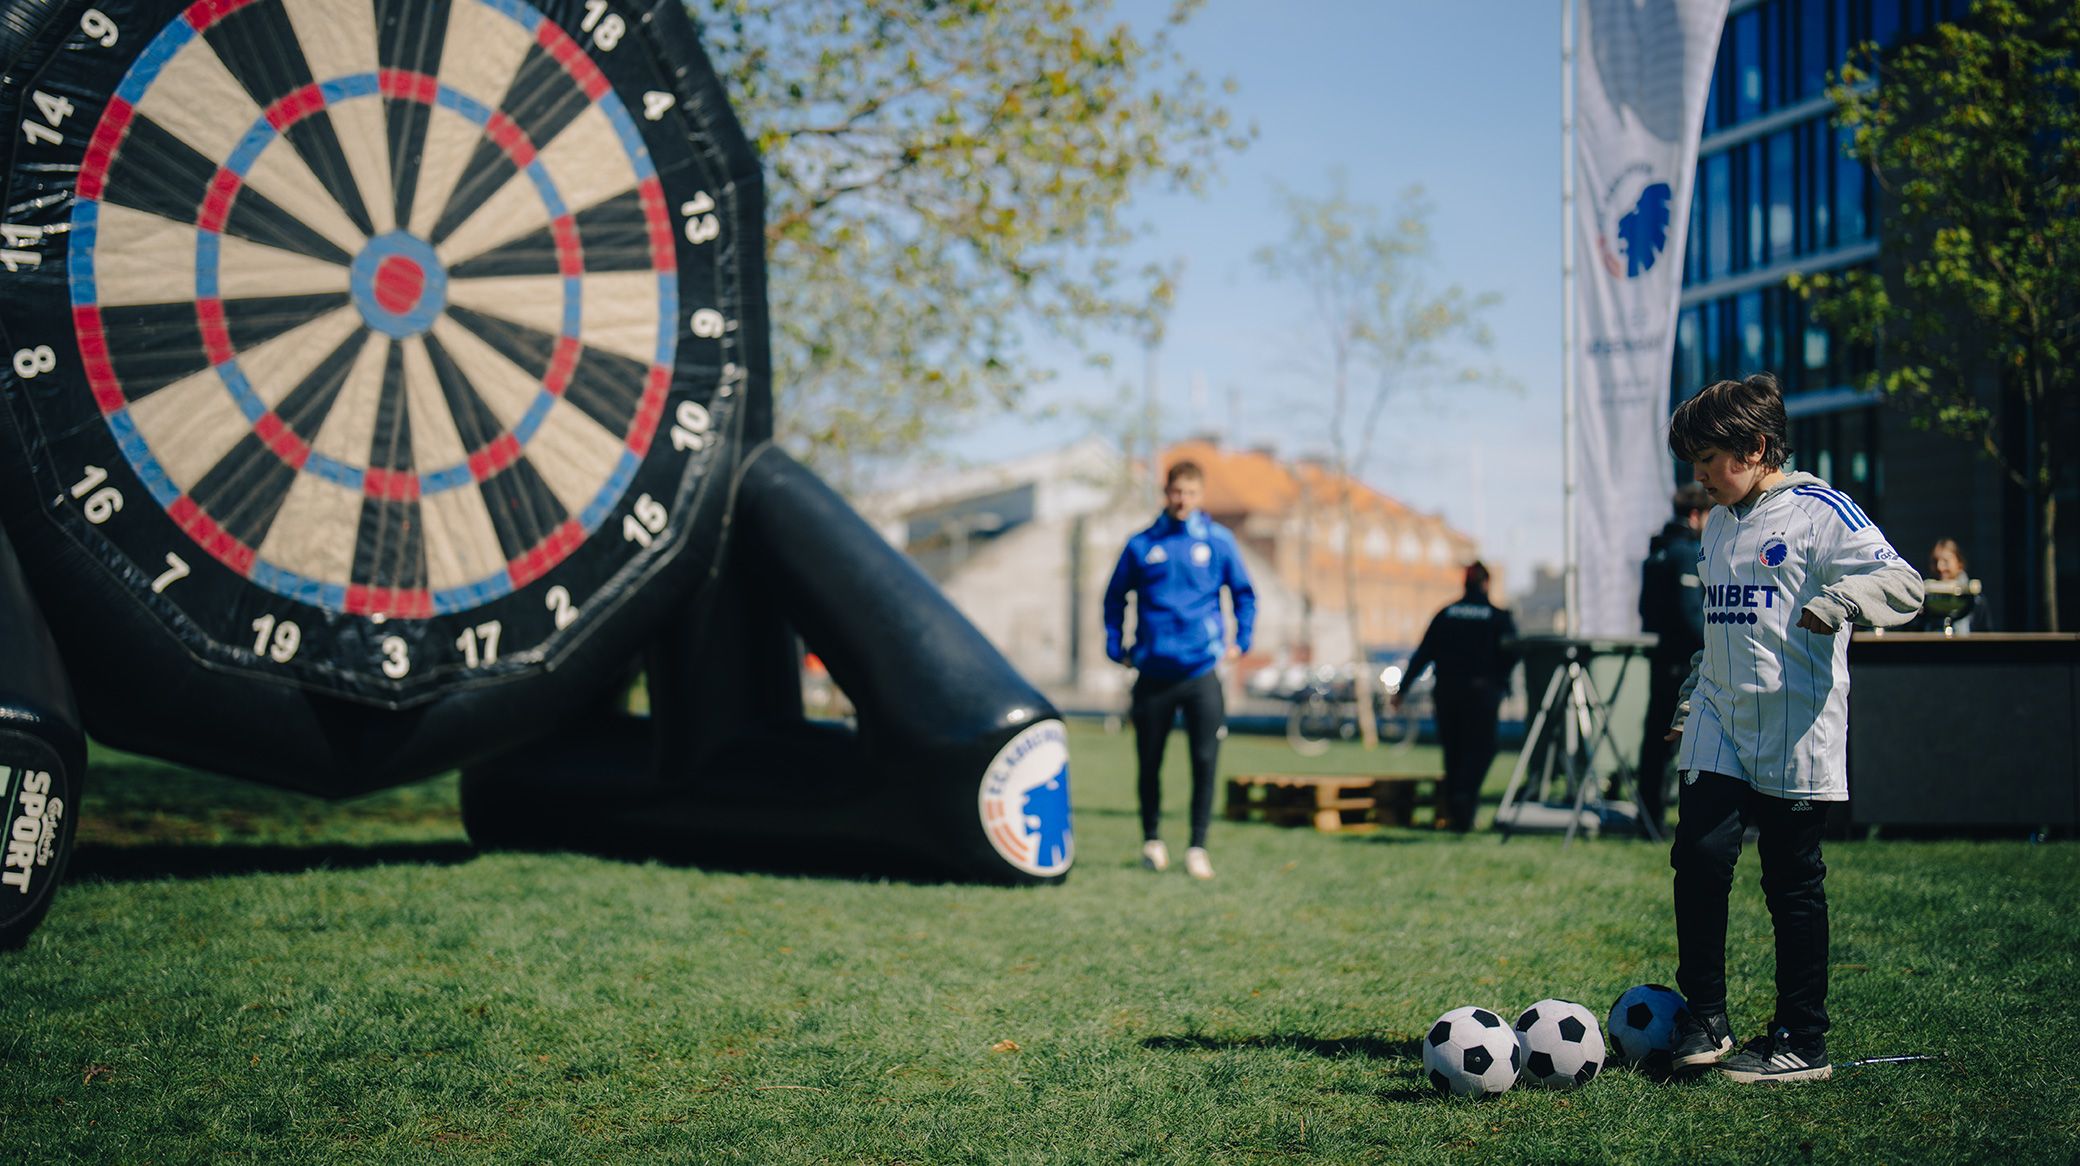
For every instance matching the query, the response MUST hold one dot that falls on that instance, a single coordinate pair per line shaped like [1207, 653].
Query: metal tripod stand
[1576, 711]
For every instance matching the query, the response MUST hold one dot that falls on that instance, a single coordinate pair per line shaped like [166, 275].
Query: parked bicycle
[1324, 708]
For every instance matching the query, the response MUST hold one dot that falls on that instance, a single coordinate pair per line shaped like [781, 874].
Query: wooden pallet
[1396, 795]
[1327, 801]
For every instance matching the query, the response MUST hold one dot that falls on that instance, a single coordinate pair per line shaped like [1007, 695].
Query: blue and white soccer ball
[1643, 1021]
[1563, 1046]
[1471, 1052]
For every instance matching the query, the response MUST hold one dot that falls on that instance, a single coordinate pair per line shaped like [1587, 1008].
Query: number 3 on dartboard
[397, 661]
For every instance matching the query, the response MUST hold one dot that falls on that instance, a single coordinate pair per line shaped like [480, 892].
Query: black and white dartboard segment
[379, 342]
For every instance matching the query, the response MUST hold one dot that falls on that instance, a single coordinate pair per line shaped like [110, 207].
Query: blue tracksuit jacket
[1176, 571]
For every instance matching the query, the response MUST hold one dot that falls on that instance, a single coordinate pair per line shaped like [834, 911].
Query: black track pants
[1466, 730]
[1156, 705]
[1716, 810]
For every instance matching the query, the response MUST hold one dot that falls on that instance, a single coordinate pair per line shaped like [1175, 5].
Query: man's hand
[1813, 623]
[1673, 736]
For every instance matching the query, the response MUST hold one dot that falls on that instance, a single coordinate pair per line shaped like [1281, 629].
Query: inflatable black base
[42, 759]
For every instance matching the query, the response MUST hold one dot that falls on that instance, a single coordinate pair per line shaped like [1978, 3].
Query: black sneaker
[1777, 1057]
[1700, 1039]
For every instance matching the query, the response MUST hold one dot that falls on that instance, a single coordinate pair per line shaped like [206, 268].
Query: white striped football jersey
[1770, 702]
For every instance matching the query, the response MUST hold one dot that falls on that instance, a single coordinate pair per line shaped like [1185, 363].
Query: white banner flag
[1640, 81]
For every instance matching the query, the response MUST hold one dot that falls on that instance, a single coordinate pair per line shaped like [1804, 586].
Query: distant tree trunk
[2047, 511]
[1361, 669]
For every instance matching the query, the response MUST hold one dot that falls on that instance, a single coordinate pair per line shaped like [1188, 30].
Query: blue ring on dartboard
[401, 287]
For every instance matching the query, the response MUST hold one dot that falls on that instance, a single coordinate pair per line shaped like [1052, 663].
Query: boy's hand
[1813, 623]
[1673, 736]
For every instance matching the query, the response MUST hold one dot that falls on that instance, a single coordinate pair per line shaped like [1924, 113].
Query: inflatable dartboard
[375, 370]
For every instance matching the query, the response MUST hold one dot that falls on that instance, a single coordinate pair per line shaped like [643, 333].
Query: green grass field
[234, 974]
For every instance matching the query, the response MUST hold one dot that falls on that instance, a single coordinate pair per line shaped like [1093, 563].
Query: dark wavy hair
[1740, 417]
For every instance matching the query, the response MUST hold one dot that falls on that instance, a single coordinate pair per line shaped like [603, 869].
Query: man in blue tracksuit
[1175, 570]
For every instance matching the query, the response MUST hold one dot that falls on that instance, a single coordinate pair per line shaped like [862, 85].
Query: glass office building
[1776, 193]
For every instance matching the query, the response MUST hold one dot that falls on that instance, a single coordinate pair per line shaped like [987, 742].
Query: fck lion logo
[1632, 242]
[1024, 801]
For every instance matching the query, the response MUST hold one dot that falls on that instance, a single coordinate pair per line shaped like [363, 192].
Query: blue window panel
[1693, 242]
[1884, 26]
[1851, 217]
[1752, 200]
[1815, 56]
[1689, 349]
[1747, 65]
[1747, 309]
[1783, 213]
[1775, 76]
[1709, 315]
[1819, 170]
[1718, 195]
[1816, 348]
[1777, 308]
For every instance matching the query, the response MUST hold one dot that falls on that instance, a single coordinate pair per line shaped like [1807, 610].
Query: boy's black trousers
[1716, 811]
[1157, 701]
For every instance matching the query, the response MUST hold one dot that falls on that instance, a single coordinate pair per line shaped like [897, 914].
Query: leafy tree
[1974, 136]
[941, 176]
[1382, 330]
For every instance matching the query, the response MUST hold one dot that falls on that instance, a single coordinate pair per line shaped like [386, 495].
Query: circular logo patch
[1024, 800]
[1774, 552]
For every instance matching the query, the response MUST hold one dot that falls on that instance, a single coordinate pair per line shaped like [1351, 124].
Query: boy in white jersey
[1787, 563]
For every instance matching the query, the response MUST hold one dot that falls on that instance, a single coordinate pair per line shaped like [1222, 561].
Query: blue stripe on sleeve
[1848, 514]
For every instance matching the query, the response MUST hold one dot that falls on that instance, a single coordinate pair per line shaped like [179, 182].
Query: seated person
[1954, 602]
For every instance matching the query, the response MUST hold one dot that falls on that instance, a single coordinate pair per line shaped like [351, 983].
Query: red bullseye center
[398, 284]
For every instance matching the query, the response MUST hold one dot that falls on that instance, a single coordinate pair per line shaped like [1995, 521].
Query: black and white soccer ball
[1643, 1022]
[1471, 1052]
[1563, 1045]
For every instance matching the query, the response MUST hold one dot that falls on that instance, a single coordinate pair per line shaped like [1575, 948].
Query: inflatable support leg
[958, 767]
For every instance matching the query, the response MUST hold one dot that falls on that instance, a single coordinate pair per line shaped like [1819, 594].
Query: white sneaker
[1154, 855]
[1197, 864]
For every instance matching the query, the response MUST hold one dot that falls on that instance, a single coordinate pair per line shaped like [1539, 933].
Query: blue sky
[1461, 96]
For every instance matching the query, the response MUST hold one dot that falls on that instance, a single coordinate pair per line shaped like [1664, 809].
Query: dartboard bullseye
[378, 346]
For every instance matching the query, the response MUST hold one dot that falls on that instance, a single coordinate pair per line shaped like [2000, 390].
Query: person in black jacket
[1474, 645]
[1671, 608]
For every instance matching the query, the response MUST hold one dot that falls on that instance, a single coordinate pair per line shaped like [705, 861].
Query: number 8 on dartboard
[373, 324]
